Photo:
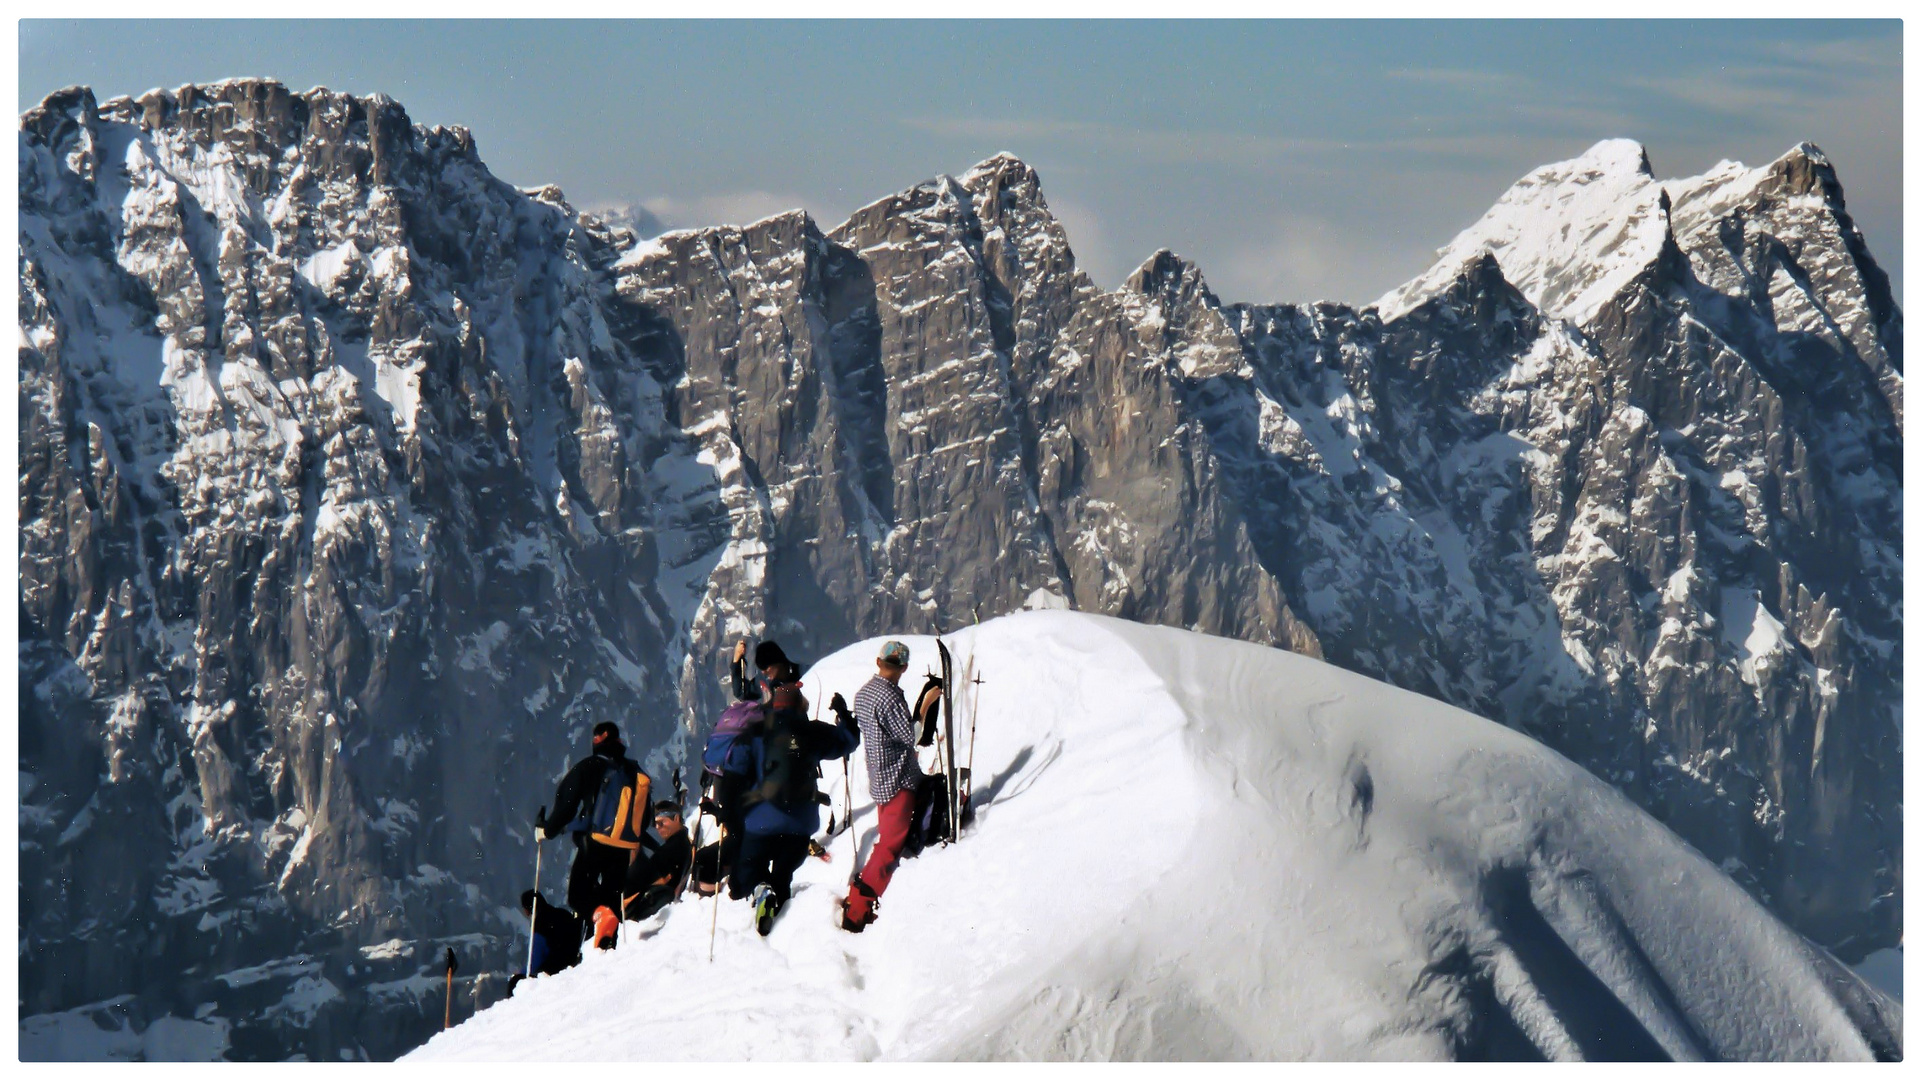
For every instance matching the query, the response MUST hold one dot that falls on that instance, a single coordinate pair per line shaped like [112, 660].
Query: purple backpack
[741, 718]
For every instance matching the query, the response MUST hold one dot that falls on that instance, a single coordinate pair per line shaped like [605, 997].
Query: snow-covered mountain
[357, 484]
[1195, 848]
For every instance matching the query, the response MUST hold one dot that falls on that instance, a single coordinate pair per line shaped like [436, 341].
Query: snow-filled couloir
[1196, 848]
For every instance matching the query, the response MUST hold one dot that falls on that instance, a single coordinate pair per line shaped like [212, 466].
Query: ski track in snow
[1194, 848]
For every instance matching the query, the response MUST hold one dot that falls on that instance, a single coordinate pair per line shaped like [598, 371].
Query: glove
[839, 705]
[540, 825]
[707, 806]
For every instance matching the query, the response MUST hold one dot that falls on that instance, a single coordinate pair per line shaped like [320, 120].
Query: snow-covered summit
[1568, 235]
[1191, 847]
[1573, 234]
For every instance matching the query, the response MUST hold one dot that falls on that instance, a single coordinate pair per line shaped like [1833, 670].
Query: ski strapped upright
[946, 707]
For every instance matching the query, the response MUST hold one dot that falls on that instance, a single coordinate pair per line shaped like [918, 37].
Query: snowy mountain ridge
[350, 472]
[1189, 848]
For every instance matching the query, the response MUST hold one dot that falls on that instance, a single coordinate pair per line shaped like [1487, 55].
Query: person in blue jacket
[782, 768]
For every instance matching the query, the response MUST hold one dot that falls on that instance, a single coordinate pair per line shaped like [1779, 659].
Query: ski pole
[719, 879]
[973, 720]
[533, 909]
[974, 716]
[448, 1020]
[846, 795]
[830, 805]
[853, 838]
[693, 848]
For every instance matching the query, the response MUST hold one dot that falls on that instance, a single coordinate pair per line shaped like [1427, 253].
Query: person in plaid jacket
[893, 776]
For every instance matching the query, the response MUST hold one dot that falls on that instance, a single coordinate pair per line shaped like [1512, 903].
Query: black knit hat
[605, 730]
[767, 654]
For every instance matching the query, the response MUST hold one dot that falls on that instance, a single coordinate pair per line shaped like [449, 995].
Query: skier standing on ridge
[602, 803]
[782, 802]
[893, 775]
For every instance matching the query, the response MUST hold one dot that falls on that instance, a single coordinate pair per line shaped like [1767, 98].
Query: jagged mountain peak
[254, 112]
[1479, 290]
[1002, 176]
[1569, 235]
[1805, 170]
[1167, 274]
[1005, 172]
[795, 225]
[999, 161]
[1612, 157]
[66, 100]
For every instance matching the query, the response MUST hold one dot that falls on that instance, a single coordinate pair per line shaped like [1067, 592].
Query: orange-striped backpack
[620, 808]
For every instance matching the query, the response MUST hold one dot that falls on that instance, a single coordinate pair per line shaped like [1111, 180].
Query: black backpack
[787, 773]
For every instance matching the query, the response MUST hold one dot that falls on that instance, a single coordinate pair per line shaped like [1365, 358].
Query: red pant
[896, 817]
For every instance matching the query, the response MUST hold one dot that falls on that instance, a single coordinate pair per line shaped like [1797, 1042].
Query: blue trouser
[768, 859]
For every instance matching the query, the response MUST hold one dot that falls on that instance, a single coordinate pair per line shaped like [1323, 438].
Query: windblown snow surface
[1195, 848]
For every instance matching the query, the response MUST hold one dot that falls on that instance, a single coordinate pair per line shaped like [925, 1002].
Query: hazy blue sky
[1293, 161]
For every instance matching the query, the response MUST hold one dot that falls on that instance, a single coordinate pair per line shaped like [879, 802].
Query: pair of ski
[950, 751]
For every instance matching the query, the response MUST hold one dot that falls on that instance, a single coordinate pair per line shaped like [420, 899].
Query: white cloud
[1301, 259]
[1093, 251]
[722, 208]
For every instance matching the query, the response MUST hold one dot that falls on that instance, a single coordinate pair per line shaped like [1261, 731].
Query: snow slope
[1195, 848]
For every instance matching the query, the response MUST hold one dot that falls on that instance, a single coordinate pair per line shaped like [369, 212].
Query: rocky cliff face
[327, 527]
[356, 485]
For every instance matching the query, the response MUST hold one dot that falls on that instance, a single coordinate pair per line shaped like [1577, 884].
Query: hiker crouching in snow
[655, 879]
[556, 944]
[782, 799]
[602, 803]
[893, 776]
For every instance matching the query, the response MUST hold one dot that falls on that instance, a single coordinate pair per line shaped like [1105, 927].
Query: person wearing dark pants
[893, 778]
[769, 859]
[601, 803]
[782, 767]
[598, 874]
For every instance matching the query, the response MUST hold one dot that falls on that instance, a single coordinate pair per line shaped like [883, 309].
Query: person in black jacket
[783, 804]
[656, 878]
[556, 944]
[776, 670]
[603, 850]
[776, 687]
